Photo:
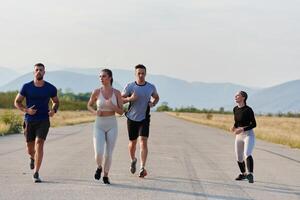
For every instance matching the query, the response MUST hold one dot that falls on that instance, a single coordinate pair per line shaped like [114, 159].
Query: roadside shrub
[209, 116]
[12, 120]
[4, 128]
[164, 107]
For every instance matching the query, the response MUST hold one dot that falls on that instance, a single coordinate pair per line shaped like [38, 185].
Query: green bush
[209, 116]
[7, 99]
[163, 107]
[13, 120]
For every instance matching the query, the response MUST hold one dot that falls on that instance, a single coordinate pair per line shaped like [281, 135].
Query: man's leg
[31, 152]
[39, 152]
[30, 142]
[30, 149]
[143, 150]
[132, 148]
[133, 128]
[144, 134]
[143, 155]
[42, 129]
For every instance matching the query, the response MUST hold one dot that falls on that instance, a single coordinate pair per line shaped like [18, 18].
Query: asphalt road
[186, 161]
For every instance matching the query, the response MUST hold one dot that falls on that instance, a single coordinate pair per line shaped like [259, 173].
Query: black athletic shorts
[136, 129]
[33, 129]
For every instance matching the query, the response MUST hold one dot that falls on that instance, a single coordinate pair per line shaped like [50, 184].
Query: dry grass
[2, 111]
[62, 118]
[280, 130]
[4, 128]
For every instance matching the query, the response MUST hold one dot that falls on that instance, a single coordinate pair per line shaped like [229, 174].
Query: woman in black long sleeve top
[244, 122]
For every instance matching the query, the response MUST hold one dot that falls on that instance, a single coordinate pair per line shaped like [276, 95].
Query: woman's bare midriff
[107, 113]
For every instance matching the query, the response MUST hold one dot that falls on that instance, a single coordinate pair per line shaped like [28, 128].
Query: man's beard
[39, 78]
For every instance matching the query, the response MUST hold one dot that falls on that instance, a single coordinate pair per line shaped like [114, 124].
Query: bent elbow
[16, 104]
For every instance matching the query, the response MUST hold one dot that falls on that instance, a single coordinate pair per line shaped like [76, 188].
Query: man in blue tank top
[141, 96]
[37, 94]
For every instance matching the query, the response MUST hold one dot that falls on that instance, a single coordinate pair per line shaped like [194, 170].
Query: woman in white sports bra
[109, 102]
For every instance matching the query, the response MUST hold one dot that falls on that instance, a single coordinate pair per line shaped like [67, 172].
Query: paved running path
[186, 161]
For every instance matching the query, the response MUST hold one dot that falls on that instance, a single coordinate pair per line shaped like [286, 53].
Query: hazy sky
[249, 42]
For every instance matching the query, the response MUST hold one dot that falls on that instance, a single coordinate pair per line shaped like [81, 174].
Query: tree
[164, 107]
[221, 110]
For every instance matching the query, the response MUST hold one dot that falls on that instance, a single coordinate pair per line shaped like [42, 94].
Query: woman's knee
[98, 156]
[108, 156]
[240, 157]
[248, 150]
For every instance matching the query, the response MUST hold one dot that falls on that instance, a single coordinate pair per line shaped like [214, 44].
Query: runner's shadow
[279, 188]
[258, 185]
[141, 188]
[73, 181]
[177, 192]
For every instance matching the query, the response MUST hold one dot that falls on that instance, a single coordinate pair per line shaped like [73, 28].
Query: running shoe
[97, 175]
[241, 177]
[36, 178]
[250, 178]
[106, 180]
[133, 166]
[143, 173]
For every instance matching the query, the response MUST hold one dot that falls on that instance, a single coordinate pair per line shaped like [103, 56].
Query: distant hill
[7, 75]
[119, 75]
[65, 80]
[181, 93]
[178, 93]
[281, 98]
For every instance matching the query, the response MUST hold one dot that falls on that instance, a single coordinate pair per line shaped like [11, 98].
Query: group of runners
[108, 101]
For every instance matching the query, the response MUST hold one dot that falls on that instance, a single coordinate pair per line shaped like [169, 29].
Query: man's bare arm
[18, 103]
[155, 99]
[55, 103]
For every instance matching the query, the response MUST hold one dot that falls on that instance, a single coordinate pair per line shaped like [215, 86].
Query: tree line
[72, 101]
[164, 107]
[68, 100]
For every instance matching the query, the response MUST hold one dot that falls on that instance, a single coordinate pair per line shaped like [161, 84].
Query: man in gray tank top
[141, 96]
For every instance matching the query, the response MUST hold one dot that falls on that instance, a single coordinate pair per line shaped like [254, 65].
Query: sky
[251, 42]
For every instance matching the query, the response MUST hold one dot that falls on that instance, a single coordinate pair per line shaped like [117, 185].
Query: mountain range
[177, 93]
[7, 75]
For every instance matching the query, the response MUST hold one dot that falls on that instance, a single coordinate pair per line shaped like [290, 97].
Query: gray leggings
[244, 145]
[105, 131]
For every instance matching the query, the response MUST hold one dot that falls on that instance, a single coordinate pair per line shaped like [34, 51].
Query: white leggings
[244, 144]
[105, 130]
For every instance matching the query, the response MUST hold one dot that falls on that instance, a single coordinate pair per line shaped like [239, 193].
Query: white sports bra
[102, 102]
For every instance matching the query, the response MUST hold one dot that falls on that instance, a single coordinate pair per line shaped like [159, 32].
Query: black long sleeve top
[244, 117]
